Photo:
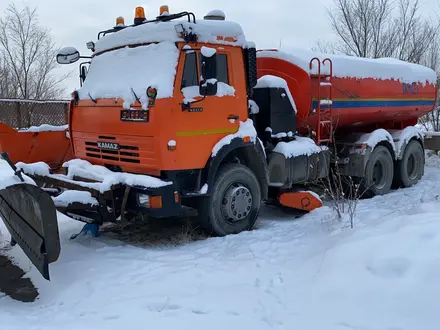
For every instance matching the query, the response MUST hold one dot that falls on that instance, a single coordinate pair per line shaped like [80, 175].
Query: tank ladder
[324, 105]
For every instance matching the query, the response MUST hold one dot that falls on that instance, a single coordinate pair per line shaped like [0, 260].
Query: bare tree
[27, 57]
[326, 47]
[380, 28]
[361, 26]
[6, 85]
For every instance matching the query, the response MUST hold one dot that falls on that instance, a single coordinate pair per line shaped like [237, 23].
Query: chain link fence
[20, 114]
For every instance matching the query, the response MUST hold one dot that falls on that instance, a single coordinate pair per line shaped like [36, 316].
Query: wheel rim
[236, 203]
[379, 175]
[412, 167]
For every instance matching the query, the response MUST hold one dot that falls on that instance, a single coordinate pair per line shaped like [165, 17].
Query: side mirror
[68, 55]
[209, 64]
[208, 83]
[208, 87]
[83, 73]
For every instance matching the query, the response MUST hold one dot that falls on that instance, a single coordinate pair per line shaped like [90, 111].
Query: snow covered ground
[309, 273]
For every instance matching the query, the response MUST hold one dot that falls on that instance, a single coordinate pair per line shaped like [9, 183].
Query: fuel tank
[386, 92]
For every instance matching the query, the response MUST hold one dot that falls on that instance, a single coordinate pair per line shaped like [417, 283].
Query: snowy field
[309, 273]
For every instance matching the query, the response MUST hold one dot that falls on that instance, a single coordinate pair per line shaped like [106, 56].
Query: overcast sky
[267, 22]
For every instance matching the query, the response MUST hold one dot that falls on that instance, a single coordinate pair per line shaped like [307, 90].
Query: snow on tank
[355, 67]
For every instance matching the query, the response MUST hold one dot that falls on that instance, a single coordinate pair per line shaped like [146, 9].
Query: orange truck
[177, 116]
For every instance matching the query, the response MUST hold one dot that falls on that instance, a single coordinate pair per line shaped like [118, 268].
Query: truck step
[325, 122]
[326, 84]
[326, 102]
[322, 75]
[300, 200]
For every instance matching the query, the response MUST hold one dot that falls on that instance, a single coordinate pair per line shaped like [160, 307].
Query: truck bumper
[161, 202]
[110, 194]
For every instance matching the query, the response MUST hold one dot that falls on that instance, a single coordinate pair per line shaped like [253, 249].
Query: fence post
[19, 117]
[66, 113]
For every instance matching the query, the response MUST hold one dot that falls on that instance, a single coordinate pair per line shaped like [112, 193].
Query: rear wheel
[234, 204]
[409, 169]
[379, 173]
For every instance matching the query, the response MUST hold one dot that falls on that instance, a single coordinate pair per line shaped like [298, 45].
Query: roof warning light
[164, 10]
[139, 15]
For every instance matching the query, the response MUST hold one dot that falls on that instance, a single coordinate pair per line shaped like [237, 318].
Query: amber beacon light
[120, 21]
[139, 15]
[164, 10]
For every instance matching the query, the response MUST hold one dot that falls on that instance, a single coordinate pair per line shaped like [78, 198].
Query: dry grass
[145, 231]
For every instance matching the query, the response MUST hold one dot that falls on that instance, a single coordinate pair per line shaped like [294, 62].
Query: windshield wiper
[94, 101]
[135, 96]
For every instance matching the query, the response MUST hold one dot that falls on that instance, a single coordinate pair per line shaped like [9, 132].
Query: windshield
[119, 73]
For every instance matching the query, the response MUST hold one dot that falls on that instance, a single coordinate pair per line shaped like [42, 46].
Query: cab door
[206, 121]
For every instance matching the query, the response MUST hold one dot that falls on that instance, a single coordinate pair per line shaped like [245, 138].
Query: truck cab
[143, 106]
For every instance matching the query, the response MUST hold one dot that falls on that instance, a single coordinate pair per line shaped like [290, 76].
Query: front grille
[125, 153]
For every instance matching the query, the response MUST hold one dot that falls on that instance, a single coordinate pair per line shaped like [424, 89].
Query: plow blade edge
[30, 216]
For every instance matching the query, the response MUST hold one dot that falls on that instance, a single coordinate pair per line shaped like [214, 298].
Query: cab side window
[190, 75]
[190, 72]
[222, 67]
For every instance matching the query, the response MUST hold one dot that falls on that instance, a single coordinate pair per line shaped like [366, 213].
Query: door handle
[234, 117]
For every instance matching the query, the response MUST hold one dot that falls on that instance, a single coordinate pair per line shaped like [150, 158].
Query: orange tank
[385, 93]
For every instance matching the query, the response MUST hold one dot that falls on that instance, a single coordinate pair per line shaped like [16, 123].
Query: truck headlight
[143, 200]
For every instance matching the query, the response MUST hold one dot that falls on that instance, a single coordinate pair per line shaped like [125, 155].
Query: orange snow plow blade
[51, 147]
[301, 200]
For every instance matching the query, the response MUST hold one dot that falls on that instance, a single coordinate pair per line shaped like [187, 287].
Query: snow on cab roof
[126, 73]
[356, 67]
[208, 31]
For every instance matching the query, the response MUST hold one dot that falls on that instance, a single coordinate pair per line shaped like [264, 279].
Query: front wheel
[234, 204]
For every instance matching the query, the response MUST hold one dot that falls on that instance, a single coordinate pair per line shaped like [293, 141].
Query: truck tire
[409, 169]
[234, 204]
[379, 173]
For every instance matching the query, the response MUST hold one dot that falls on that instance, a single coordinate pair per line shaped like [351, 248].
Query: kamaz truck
[180, 116]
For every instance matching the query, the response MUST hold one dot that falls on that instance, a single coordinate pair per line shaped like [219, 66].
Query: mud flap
[30, 216]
